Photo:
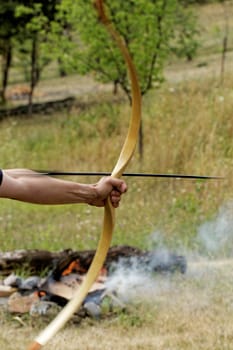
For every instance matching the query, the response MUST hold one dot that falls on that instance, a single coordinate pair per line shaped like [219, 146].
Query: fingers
[118, 184]
[110, 187]
[115, 197]
[119, 187]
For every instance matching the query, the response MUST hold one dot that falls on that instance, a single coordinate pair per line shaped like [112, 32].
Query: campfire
[67, 269]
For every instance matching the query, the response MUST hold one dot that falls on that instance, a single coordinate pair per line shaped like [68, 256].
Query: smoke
[131, 284]
[143, 278]
[138, 280]
[215, 237]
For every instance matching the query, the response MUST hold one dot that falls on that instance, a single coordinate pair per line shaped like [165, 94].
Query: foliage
[147, 28]
[150, 30]
[36, 28]
[24, 27]
[186, 34]
[70, 32]
[8, 29]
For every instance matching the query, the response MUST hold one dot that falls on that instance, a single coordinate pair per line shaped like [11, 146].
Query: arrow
[177, 176]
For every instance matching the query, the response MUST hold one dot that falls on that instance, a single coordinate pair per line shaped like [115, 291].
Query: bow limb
[109, 212]
[80, 294]
[135, 120]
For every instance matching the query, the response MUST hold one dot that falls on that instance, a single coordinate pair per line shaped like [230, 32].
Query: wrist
[91, 194]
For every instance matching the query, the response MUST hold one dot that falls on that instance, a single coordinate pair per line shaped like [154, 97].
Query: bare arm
[29, 186]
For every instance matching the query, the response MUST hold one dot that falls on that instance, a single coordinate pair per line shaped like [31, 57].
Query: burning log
[36, 261]
[67, 271]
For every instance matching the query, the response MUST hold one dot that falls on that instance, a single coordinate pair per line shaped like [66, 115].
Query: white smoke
[215, 237]
[131, 284]
[135, 281]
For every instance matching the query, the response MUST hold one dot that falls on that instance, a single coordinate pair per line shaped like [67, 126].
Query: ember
[35, 295]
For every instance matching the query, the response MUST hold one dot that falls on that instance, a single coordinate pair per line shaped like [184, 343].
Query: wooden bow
[109, 212]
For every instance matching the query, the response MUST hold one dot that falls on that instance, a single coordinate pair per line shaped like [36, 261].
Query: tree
[6, 53]
[8, 30]
[186, 33]
[147, 27]
[33, 35]
[25, 26]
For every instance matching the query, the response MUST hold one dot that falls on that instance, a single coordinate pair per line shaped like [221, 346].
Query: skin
[28, 186]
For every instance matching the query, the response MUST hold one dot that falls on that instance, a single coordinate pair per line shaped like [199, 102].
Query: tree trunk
[225, 42]
[61, 69]
[141, 141]
[34, 73]
[7, 58]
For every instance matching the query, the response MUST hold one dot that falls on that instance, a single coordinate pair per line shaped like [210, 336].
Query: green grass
[187, 129]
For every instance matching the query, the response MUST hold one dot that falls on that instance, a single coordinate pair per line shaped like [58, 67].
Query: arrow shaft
[177, 176]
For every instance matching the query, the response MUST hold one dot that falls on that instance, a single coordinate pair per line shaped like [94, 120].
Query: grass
[187, 129]
[213, 19]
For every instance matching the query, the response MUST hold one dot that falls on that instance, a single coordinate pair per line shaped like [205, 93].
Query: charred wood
[37, 261]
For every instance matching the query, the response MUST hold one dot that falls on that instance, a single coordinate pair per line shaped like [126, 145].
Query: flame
[73, 266]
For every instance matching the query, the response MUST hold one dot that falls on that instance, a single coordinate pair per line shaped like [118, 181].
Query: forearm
[23, 185]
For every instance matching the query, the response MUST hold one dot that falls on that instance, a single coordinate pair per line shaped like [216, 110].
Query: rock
[18, 303]
[92, 309]
[42, 308]
[6, 291]
[12, 280]
[30, 283]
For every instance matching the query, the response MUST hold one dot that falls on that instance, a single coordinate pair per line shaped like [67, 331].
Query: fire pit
[35, 295]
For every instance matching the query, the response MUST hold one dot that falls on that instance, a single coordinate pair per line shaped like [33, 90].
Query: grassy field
[188, 128]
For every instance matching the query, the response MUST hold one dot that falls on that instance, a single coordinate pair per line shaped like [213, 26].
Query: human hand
[109, 186]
